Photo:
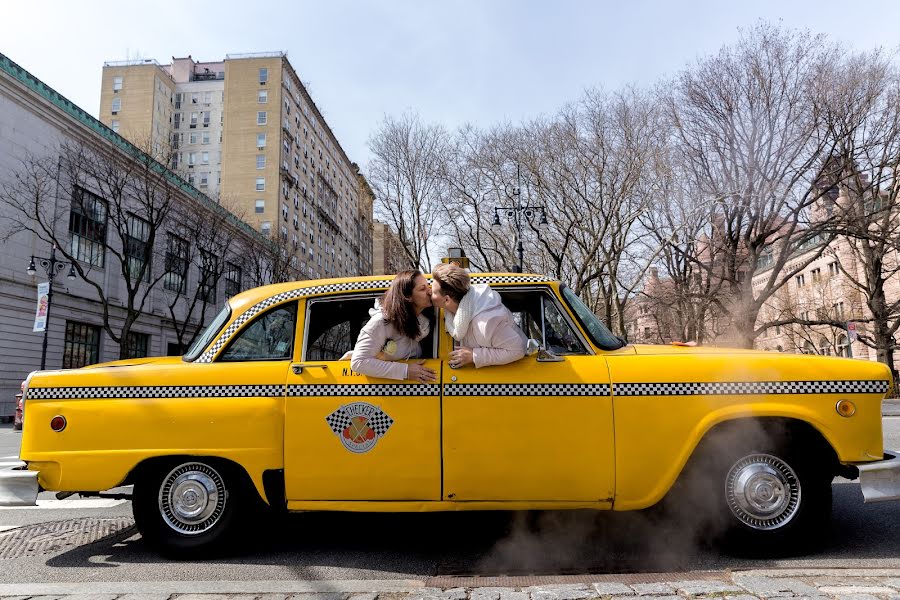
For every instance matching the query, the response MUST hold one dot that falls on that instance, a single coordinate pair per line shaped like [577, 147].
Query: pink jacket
[372, 354]
[491, 332]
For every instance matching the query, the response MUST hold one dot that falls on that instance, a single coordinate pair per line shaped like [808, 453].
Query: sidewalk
[842, 584]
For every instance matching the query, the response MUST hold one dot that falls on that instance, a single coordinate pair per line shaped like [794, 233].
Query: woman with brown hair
[394, 331]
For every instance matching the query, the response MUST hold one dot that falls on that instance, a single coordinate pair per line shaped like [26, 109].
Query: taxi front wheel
[185, 508]
[766, 498]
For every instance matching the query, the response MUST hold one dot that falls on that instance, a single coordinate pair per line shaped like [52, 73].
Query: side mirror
[532, 346]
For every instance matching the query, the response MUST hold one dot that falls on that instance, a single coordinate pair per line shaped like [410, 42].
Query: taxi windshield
[208, 334]
[600, 335]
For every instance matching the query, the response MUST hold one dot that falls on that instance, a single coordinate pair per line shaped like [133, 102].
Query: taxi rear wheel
[187, 507]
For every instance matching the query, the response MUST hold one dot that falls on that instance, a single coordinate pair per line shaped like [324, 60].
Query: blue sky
[482, 62]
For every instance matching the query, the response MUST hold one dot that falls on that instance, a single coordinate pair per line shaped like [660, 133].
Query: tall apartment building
[245, 130]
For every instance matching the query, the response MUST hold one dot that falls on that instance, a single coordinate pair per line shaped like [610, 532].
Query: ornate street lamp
[517, 214]
[52, 266]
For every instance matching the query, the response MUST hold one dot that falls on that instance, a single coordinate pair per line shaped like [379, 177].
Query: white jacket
[374, 356]
[483, 324]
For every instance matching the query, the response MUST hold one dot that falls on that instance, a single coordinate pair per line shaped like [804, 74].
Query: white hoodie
[373, 355]
[483, 324]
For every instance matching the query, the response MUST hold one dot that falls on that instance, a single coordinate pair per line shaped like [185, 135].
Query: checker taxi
[263, 410]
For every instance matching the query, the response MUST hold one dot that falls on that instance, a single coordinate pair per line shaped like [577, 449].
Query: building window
[192, 138]
[204, 158]
[260, 184]
[87, 224]
[801, 280]
[263, 75]
[136, 250]
[206, 116]
[192, 158]
[232, 279]
[260, 161]
[177, 124]
[832, 268]
[261, 117]
[208, 268]
[266, 227]
[82, 345]
[114, 125]
[816, 274]
[205, 138]
[262, 97]
[260, 140]
[176, 264]
[136, 344]
[116, 105]
[117, 83]
[204, 179]
[843, 347]
[260, 206]
[838, 310]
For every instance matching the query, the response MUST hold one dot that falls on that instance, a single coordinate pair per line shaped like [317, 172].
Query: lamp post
[52, 266]
[517, 214]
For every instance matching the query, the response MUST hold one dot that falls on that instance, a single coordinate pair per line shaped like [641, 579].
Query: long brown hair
[397, 306]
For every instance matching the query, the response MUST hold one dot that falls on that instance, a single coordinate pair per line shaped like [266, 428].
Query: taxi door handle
[297, 368]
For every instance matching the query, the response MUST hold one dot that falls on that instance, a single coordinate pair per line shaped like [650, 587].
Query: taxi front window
[600, 335]
[211, 331]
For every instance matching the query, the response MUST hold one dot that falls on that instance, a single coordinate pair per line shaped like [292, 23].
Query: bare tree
[749, 129]
[269, 261]
[207, 240]
[863, 114]
[115, 205]
[405, 173]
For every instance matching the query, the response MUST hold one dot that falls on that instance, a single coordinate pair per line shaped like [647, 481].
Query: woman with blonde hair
[394, 331]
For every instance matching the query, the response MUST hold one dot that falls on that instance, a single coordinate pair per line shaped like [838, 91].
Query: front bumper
[18, 488]
[880, 480]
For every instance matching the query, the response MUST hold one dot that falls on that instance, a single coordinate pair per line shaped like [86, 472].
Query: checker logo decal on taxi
[359, 425]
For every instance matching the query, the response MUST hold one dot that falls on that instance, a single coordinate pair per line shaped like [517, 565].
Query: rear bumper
[18, 488]
[880, 480]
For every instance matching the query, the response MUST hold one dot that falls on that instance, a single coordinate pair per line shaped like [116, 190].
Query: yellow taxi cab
[263, 408]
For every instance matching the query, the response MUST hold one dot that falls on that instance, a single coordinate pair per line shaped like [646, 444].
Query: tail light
[58, 423]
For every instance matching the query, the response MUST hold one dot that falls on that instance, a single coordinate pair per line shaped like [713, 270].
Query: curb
[699, 583]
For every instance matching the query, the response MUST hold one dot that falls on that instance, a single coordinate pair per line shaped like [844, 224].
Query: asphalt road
[317, 546]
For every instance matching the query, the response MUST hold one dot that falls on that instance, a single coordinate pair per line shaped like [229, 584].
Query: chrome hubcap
[762, 491]
[192, 498]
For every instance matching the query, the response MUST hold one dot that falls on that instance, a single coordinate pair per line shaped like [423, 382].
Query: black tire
[188, 508]
[765, 497]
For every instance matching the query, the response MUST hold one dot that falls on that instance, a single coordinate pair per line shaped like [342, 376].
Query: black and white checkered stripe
[742, 388]
[510, 279]
[156, 391]
[365, 389]
[351, 286]
[526, 389]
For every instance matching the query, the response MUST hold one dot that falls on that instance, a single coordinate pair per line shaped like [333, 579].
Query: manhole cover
[46, 538]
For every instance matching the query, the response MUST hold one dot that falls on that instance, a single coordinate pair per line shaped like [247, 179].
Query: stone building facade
[35, 122]
[820, 291]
